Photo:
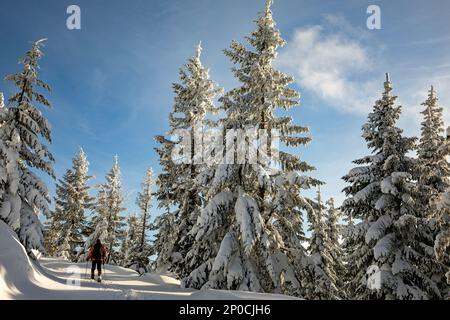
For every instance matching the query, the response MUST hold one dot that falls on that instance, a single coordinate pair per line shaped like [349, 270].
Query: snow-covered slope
[21, 278]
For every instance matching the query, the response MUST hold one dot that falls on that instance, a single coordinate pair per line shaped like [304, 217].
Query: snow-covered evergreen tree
[141, 248]
[24, 195]
[110, 206]
[165, 223]
[321, 279]
[130, 241]
[249, 233]
[5, 146]
[194, 97]
[72, 200]
[433, 179]
[52, 235]
[64, 250]
[442, 241]
[334, 235]
[100, 231]
[433, 169]
[382, 262]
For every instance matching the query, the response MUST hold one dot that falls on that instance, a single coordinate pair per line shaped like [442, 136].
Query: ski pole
[85, 272]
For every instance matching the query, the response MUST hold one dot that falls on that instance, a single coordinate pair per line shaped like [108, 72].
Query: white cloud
[442, 83]
[333, 65]
[413, 90]
[342, 65]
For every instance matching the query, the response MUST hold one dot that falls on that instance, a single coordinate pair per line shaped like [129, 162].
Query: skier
[97, 254]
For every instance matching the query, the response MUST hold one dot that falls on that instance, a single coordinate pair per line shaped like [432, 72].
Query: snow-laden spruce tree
[442, 242]
[135, 247]
[193, 102]
[112, 209]
[164, 224]
[109, 206]
[249, 233]
[321, 280]
[334, 235]
[129, 241]
[141, 249]
[4, 116]
[433, 169]
[382, 262]
[71, 203]
[23, 132]
[64, 250]
[52, 235]
[433, 179]
[99, 231]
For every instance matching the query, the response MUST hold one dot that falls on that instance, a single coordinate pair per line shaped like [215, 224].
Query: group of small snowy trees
[70, 235]
[23, 132]
[397, 242]
[322, 279]
[139, 248]
[23, 196]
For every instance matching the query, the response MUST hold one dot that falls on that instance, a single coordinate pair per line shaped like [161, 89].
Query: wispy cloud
[333, 65]
[442, 83]
[429, 41]
[412, 88]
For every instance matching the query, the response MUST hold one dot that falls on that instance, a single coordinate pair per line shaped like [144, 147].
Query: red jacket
[91, 253]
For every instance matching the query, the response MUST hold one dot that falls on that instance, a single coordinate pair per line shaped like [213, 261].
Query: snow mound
[19, 276]
[16, 269]
[22, 278]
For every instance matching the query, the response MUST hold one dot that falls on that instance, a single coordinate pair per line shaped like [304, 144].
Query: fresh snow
[378, 228]
[22, 278]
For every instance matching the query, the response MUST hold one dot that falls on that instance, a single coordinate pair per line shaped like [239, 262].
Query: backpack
[97, 253]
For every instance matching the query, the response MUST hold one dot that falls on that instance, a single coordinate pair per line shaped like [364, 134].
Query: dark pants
[97, 263]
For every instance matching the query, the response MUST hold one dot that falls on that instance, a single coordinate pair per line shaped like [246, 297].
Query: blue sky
[111, 80]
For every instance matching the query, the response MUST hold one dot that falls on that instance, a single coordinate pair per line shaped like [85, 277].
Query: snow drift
[22, 278]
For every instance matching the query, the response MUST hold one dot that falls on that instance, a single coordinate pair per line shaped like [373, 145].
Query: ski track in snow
[117, 282]
[21, 278]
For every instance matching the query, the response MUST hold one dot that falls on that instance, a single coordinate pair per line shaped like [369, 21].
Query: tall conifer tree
[71, 203]
[249, 233]
[24, 131]
[382, 259]
[193, 103]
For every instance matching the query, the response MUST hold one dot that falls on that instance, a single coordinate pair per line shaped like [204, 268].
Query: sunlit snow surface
[20, 278]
